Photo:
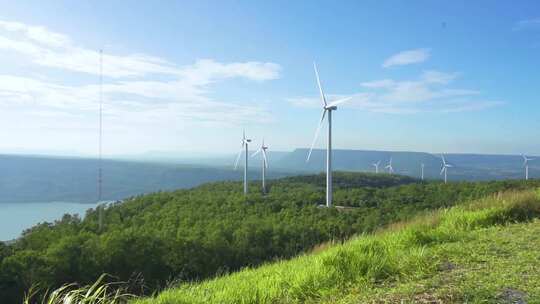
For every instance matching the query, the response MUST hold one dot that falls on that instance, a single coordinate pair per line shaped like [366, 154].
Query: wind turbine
[262, 150]
[389, 166]
[245, 143]
[422, 167]
[327, 108]
[526, 165]
[376, 165]
[445, 167]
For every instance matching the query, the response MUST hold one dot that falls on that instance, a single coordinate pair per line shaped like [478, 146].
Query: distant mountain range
[43, 179]
[466, 166]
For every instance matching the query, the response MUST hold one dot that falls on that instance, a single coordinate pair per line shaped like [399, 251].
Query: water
[16, 217]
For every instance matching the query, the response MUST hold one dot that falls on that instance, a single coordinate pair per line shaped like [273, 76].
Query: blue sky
[181, 76]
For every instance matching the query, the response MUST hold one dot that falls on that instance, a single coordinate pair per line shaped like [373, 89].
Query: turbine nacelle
[331, 108]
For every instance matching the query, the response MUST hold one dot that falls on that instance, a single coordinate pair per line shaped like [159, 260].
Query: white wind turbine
[245, 143]
[526, 165]
[376, 165]
[327, 108]
[262, 150]
[389, 166]
[444, 168]
[422, 168]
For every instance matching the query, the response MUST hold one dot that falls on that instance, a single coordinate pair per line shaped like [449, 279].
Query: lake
[16, 217]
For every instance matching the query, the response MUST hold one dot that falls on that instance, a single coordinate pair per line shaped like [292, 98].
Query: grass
[454, 255]
[499, 264]
[97, 293]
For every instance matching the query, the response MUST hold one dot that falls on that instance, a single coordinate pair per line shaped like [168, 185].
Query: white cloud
[50, 49]
[133, 83]
[407, 57]
[385, 83]
[527, 24]
[427, 93]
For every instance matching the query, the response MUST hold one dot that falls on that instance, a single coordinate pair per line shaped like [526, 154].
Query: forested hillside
[213, 229]
[483, 251]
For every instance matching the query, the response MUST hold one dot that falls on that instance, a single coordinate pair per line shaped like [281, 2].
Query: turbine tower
[444, 168]
[327, 108]
[376, 165]
[262, 150]
[245, 143]
[526, 165]
[422, 168]
[389, 166]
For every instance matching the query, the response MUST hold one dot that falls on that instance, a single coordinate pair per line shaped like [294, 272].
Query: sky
[187, 77]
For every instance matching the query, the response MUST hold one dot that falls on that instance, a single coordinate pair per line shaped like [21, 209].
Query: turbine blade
[256, 152]
[238, 157]
[316, 134]
[443, 160]
[335, 103]
[323, 99]
[442, 170]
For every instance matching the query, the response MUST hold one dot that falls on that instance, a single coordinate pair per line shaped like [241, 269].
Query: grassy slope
[455, 255]
[499, 264]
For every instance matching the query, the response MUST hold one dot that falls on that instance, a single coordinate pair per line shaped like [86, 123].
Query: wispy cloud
[430, 92]
[527, 24]
[133, 82]
[407, 57]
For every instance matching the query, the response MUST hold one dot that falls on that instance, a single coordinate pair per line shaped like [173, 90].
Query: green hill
[473, 253]
[196, 234]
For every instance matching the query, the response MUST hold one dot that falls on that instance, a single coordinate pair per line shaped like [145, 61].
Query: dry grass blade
[97, 293]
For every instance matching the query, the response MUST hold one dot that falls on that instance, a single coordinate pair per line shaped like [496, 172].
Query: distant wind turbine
[376, 165]
[444, 168]
[389, 166]
[422, 167]
[245, 143]
[262, 150]
[526, 165]
[327, 108]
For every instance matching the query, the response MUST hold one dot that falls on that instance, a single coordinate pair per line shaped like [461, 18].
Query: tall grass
[396, 253]
[97, 293]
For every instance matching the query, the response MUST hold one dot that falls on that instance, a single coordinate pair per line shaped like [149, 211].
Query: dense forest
[192, 234]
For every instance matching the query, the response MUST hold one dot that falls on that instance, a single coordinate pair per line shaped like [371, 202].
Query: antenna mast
[100, 121]
[100, 177]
